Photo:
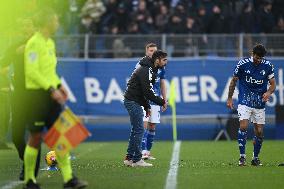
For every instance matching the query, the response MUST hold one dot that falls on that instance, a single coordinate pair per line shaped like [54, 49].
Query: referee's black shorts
[42, 110]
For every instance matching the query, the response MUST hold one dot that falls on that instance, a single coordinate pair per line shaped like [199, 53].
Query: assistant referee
[45, 96]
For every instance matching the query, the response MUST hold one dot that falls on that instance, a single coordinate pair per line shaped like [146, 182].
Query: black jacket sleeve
[147, 86]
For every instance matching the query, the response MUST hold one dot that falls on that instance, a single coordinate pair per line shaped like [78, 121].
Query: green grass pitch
[201, 165]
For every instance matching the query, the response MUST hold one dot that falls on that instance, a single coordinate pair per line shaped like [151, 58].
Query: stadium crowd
[173, 16]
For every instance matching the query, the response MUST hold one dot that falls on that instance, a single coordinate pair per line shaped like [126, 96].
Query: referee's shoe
[281, 164]
[75, 183]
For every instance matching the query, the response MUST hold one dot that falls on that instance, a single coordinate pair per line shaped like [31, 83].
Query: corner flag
[66, 133]
[172, 103]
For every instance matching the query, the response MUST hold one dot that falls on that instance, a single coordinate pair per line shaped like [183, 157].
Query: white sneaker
[145, 156]
[128, 163]
[151, 157]
[141, 163]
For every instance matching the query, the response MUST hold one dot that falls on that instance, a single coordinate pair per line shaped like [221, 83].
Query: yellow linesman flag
[172, 98]
[172, 102]
[66, 133]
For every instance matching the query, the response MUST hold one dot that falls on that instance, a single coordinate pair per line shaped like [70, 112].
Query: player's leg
[30, 158]
[19, 123]
[244, 114]
[242, 140]
[154, 120]
[151, 130]
[39, 108]
[258, 120]
[150, 139]
[145, 135]
[18, 137]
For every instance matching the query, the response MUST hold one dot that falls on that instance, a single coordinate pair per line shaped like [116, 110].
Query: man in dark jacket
[138, 93]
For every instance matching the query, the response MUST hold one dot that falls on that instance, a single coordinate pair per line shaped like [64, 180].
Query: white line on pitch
[12, 184]
[171, 182]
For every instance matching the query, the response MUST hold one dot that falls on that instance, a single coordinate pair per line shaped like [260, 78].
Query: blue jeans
[137, 130]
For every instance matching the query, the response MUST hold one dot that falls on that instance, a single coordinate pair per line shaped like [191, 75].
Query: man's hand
[64, 92]
[230, 103]
[58, 96]
[148, 113]
[265, 96]
[165, 106]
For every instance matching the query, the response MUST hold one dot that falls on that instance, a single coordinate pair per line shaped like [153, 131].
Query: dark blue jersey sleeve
[163, 73]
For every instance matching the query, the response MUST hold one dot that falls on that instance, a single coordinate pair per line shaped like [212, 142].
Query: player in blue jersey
[151, 121]
[254, 74]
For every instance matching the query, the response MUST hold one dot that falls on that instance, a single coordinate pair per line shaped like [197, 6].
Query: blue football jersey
[253, 81]
[157, 85]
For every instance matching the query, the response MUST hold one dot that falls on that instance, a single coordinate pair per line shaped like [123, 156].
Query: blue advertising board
[96, 86]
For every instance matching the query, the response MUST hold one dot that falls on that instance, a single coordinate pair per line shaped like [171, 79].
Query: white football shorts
[155, 114]
[252, 114]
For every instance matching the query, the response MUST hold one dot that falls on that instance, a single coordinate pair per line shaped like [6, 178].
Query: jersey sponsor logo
[254, 81]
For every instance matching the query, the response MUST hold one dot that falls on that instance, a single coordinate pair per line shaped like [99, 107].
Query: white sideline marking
[171, 182]
[11, 184]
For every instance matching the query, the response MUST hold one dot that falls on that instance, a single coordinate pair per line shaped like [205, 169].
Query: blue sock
[257, 143]
[242, 140]
[144, 140]
[150, 139]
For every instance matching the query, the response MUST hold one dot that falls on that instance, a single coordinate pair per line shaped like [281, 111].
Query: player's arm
[232, 87]
[164, 93]
[271, 89]
[272, 82]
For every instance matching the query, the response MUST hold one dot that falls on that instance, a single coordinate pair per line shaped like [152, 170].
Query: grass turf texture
[202, 165]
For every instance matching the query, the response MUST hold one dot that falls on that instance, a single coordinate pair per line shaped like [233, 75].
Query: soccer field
[201, 165]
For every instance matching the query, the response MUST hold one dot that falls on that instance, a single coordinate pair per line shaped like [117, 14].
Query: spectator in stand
[143, 18]
[216, 21]
[279, 28]
[133, 28]
[161, 19]
[175, 25]
[275, 42]
[208, 5]
[202, 19]
[91, 14]
[191, 25]
[266, 18]
[278, 8]
[121, 18]
[247, 21]
[216, 26]
[120, 50]
[190, 42]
